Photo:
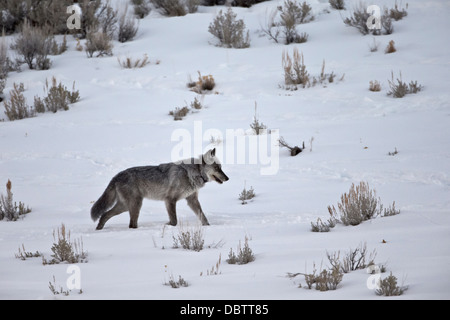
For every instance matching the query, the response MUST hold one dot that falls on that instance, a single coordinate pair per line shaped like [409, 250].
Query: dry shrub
[374, 86]
[389, 287]
[127, 26]
[176, 8]
[16, 108]
[129, 63]
[58, 97]
[141, 8]
[98, 42]
[10, 210]
[360, 204]
[229, 31]
[65, 250]
[390, 47]
[33, 44]
[204, 83]
[244, 256]
[337, 4]
[295, 72]
[399, 88]
[189, 237]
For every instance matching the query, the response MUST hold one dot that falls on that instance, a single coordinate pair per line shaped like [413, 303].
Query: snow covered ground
[60, 163]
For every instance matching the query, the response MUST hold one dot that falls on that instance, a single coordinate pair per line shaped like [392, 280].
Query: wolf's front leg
[194, 204]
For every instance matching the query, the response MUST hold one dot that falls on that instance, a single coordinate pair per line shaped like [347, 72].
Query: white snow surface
[59, 164]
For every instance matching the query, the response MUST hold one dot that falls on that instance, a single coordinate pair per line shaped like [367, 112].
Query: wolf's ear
[209, 156]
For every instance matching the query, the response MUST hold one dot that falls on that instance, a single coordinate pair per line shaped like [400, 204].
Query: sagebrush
[9, 209]
[230, 32]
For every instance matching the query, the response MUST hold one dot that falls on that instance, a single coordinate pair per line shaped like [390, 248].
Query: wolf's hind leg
[135, 208]
[171, 206]
[117, 209]
[194, 204]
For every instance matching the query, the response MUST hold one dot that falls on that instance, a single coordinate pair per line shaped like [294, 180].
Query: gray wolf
[168, 182]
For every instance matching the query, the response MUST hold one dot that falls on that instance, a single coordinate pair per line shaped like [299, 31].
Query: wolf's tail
[105, 202]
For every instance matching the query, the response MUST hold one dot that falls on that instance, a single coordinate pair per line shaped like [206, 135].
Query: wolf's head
[213, 168]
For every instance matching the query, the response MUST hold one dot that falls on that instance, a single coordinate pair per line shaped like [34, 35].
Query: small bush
[321, 226]
[9, 210]
[176, 8]
[374, 86]
[5, 63]
[295, 73]
[64, 250]
[33, 45]
[244, 255]
[390, 47]
[204, 83]
[107, 19]
[388, 287]
[396, 13]
[89, 19]
[58, 97]
[246, 195]
[127, 27]
[399, 89]
[360, 204]
[141, 8]
[290, 15]
[177, 284]
[359, 19]
[179, 113]
[229, 31]
[98, 42]
[190, 238]
[129, 63]
[324, 281]
[24, 255]
[355, 259]
[16, 108]
[257, 127]
[337, 4]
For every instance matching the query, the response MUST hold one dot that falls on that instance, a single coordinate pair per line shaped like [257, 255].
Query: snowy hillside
[60, 163]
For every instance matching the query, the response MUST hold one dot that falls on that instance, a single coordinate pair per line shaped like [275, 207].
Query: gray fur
[168, 182]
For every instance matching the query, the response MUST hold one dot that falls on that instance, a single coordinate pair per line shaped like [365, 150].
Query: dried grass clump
[244, 256]
[295, 73]
[16, 107]
[33, 44]
[10, 210]
[374, 86]
[390, 47]
[388, 287]
[229, 31]
[358, 205]
[399, 88]
[130, 63]
[64, 250]
[203, 84]
[98, 42]
[58, 97]
[190, 238]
